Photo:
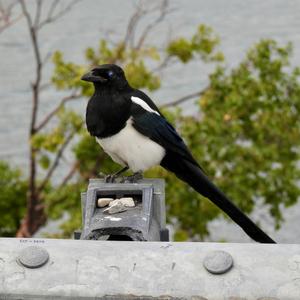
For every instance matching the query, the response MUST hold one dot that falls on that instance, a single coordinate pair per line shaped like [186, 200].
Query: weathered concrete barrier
[147, 267]
[82, 269]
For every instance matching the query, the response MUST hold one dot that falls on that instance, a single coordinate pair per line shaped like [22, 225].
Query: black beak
[91, 77]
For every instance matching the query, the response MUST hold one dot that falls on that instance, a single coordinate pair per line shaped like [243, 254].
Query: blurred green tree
[246, 135]
[12, 199]
[244, 131]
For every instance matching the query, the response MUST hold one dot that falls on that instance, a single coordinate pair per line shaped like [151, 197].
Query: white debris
[113, 202]
[102, 202]
[116, 207]
[126, 201]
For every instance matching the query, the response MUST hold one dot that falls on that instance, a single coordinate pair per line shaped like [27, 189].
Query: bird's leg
[134, 178]
[112, 177]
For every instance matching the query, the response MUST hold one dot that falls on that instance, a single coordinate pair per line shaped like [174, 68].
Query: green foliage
[140, 77]
[203, 43]
[44, 161]
[87, 152]
[65, 199]
[90, 157]
[69, 120]
[246, 136]
[181, 48]
[48, 142]
[67, 75]
[12, 199]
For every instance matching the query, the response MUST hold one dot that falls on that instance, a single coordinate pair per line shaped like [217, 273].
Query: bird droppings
[113, 218]
[102, 202]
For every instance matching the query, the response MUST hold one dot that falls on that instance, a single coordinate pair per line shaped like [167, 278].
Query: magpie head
[106, 75]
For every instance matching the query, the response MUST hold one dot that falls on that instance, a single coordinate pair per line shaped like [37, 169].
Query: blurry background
[235, 80]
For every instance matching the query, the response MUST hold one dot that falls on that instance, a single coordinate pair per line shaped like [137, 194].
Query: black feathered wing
[180, 161]
[158, 129]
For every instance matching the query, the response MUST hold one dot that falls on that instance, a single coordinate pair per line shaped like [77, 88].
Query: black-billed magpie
[131, 129]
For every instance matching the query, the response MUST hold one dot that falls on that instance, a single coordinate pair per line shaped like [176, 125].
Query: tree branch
[184, 99]
[38, 13]
[56, 161]
[163, 64]
[141, 11]
[52, 9]
[30, 222]
[129, 36]
[163, 11]
[69, 175]
[34, 40]
[52, 16]
[6, 19]
[50, 115]
[35, 216]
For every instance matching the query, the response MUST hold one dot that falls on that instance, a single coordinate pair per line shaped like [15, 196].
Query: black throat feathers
[107, 111]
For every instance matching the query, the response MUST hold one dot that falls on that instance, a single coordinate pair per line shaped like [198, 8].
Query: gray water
[239, 24]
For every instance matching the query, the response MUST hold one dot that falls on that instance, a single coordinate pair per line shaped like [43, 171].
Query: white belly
[129, 147]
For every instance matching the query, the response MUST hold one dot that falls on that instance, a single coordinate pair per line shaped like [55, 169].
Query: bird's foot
[108, 178]
[111, 178]
[133, 178]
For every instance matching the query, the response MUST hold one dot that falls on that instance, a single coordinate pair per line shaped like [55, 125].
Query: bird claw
[133, 178]
[113, 178]
[110, 178]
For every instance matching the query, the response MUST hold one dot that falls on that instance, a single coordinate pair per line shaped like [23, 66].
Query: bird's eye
[110, 73]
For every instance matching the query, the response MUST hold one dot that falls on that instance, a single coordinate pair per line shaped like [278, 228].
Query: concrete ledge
[147, 270]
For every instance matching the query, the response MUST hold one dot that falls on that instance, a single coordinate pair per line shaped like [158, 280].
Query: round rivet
[33, 257]
[218, 262]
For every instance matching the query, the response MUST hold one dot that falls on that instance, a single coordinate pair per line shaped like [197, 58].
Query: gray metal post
[144, 222]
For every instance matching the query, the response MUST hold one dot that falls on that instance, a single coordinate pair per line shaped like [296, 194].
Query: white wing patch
[143, 104]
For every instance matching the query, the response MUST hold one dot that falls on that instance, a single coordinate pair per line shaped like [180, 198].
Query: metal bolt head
[33, 257]
[218, 262]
